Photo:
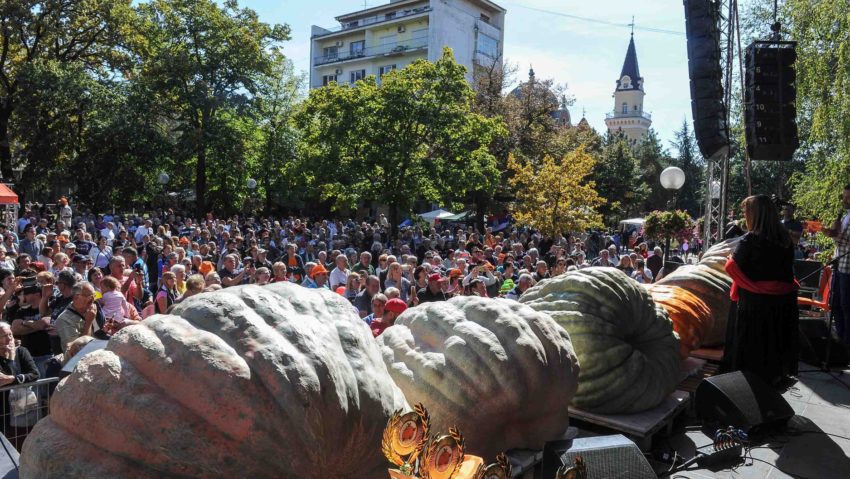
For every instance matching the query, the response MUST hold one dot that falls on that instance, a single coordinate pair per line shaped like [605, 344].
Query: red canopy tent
[9, 202]
[7, 196]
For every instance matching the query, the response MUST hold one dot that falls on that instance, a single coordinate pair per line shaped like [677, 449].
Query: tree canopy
[556, 196]
[411, 136]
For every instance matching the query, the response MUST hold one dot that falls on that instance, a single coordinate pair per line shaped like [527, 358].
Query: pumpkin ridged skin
[625, 343]
[497, 370]
[263, 382]
[712, 287]
[692, 319]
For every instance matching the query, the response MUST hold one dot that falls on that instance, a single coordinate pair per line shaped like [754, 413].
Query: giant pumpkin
[712, 287]
[626, 346]
[263, 382]
[692, 319]
[499, 371]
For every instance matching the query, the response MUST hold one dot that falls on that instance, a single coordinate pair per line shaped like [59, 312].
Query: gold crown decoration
[501, 469]
[406, 444]
[405, 437]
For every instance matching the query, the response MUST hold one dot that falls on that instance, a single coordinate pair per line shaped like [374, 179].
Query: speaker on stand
[702, 26]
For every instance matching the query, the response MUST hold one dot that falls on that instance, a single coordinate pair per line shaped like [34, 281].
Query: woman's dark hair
[763, 219]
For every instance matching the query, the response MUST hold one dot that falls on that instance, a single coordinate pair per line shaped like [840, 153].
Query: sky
[585, 54]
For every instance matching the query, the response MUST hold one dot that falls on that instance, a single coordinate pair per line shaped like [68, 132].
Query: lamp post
[163, 180]
[252, 185]
[672, 179]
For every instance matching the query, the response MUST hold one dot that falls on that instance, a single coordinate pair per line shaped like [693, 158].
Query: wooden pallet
[640, 427]
[690, 383]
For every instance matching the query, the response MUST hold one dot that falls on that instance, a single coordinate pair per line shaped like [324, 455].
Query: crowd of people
[67, 276]
[64, 276]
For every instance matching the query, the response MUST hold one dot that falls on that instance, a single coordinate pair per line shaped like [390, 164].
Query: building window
[386, 69]
[358, 48]
[390, 16]
[331, 52]
[357, 75]
[488, 45]
[419, 34]
[485, 18]
[326, 79]
[387, 43]
[625, 107]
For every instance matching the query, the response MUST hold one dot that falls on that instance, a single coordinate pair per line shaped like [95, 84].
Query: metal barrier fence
[22, 406]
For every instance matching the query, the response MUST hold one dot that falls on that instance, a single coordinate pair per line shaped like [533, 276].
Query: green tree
[413, 136]
[555, 197]
[618, 179]
[652, 158]
[689, 159]
[203, 61]
[36, 32]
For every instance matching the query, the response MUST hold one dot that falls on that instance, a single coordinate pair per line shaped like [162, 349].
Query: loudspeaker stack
[702, 26]
[770, 98]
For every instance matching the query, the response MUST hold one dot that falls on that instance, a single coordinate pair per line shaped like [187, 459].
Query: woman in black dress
[765, 337]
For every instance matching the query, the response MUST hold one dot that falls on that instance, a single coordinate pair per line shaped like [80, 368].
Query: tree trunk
[5, 143]
[393, 221]
[201, 167]
[482, 203]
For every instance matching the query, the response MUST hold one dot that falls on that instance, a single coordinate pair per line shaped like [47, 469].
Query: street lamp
[252, 185]
[672, 179]
[163, 180]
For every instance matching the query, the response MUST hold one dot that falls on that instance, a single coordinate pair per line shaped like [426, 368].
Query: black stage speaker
[702, 26]
[814, 338]
[770, 99]
[742, 400]
[604, 456]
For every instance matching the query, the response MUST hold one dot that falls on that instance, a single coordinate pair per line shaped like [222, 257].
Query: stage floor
[823, 414]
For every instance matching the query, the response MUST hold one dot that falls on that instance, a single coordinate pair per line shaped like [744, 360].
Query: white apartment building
[379, 39]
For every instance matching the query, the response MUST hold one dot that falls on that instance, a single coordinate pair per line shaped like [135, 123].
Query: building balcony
[374, 20]
[631, 114]
[389, 49]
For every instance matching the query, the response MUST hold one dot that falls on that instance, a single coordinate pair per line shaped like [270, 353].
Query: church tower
[628, 114]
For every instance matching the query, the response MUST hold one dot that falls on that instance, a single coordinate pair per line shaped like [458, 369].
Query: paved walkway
[818, 447]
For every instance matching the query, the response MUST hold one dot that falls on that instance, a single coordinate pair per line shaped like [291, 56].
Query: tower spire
[633, 25]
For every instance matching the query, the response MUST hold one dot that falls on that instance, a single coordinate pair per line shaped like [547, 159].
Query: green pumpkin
[626, 346]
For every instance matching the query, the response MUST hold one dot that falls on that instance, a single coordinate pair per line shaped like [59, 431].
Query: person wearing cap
[393, 308]
[262, 260]
[319, 275]
[56, 295]
[433, 291]
[29, 325]
[82, 265]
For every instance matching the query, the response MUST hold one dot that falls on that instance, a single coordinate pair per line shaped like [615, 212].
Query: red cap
[436, 277]
[396, 305]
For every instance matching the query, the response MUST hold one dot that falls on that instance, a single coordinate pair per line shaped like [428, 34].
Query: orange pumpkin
[691, 317]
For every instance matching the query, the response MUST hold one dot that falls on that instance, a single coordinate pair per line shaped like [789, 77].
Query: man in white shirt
[143, 230]
[339, 275]
[108, 232]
